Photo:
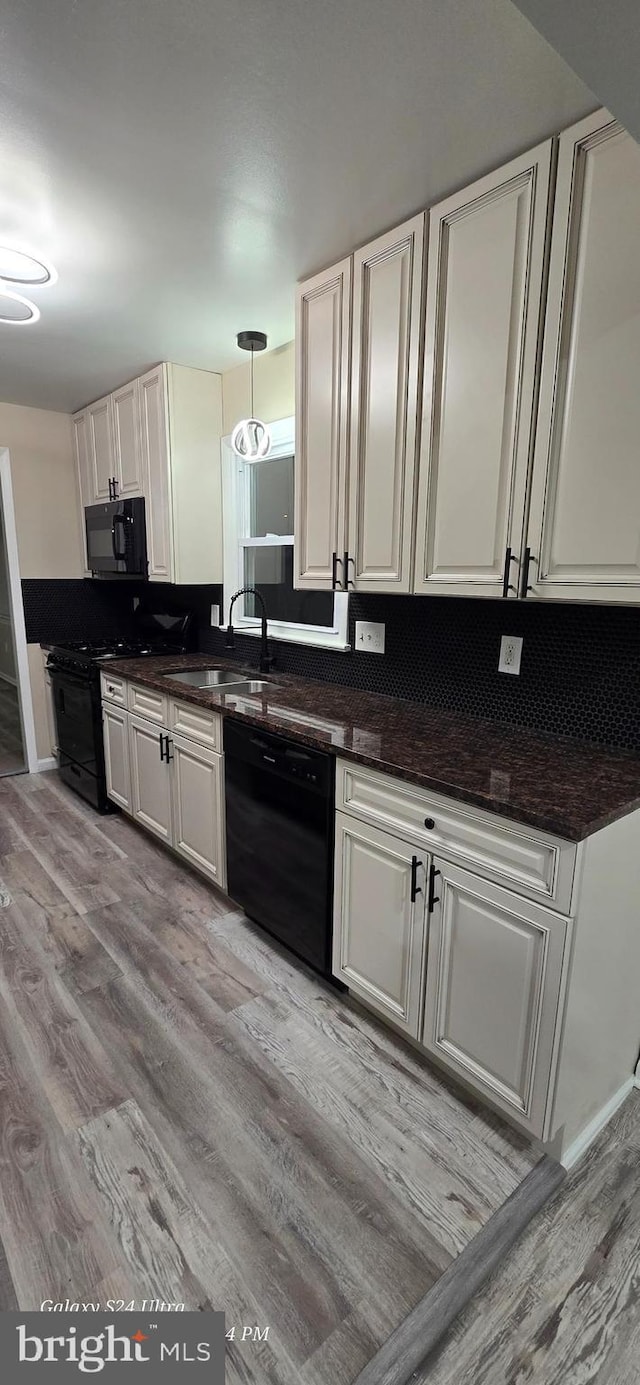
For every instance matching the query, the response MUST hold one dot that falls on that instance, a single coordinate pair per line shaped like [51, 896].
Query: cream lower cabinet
[169, 783]
[115, 731]
[150, 778]
[198, 807]
[471, 970]
[379, 921]
[492, 987]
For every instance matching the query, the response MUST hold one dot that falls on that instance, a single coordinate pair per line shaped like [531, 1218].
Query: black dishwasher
[279, 799]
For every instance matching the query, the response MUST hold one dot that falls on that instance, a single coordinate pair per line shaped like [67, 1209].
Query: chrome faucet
[266, 660]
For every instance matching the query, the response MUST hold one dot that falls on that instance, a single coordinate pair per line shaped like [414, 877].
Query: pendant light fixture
[251, 439]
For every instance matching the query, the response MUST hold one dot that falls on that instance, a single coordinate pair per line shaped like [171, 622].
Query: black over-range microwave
[117, 538]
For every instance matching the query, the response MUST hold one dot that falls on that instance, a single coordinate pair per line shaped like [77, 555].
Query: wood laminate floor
[11, 748]
[565, 1305]
[185, 1114]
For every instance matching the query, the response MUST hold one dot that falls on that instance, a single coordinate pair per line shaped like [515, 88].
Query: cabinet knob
[430, 823]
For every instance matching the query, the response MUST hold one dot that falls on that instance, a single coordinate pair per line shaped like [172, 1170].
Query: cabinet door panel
[378, 945]
[150, 779]
[322, 376]
[126, 440]
[83, 471]
[384, 406]
[115, 728]
[198, 802]
[154, 440]
[585, 512]
[487, 248]
[493, 982]
[101, 454]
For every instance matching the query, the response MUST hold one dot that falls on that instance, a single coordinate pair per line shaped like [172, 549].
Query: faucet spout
[266, 658]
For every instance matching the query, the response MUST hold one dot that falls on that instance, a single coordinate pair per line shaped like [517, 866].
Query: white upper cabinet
[126, 441]
[385, 382]
[323, 314]
[154, 433]
[159, 437]
[85, 481]
[584, 531]
[100, 449]
[486, 261]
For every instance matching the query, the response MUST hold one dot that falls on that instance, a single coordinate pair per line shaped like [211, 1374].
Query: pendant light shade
[251, 438]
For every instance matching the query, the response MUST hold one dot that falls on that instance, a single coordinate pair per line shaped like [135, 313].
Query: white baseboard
[49, 763]
[591, 1131]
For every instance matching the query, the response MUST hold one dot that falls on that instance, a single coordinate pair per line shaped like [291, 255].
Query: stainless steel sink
[221, 680]
[248, 686]
[207, 677]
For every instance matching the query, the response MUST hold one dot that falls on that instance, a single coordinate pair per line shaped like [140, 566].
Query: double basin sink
[222, 680]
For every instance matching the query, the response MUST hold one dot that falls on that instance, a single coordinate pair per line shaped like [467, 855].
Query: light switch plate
[215, 615]
[510, 654]
[370, 636]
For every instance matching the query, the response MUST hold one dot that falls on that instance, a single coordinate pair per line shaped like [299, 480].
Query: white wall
[274, 388]
[45, 495]
[47, 514]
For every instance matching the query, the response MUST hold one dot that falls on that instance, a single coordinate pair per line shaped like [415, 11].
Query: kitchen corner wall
[274, 388]
[47, 512]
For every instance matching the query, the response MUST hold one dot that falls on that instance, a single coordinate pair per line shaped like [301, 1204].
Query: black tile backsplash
[580, 673]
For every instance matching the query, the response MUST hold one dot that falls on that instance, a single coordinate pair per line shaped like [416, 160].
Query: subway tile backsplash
[580, 664]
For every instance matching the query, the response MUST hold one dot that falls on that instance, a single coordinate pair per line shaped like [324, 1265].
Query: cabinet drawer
[148, 703]
[197, 723]
[113, 689]
[534, 863]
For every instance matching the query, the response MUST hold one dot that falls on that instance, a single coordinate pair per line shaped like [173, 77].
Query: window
[258, 549]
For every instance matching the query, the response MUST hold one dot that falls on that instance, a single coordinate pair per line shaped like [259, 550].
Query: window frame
[236, 538]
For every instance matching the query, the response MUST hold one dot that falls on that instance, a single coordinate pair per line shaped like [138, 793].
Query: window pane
[270, 497]
[271, 571]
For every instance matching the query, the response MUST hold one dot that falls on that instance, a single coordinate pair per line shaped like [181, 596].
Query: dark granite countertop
[559, 786]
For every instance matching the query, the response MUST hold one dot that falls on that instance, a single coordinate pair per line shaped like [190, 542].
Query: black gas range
[74, 669]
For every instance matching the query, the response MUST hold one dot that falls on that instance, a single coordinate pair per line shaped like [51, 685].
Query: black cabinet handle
[110, 489]
[433, 898]
[415, 887]
[334, 571]
[162, 745]
[346, 578]
[429, 823]
[525, 573]
[169, 744]
[506, 585]
[115, 487]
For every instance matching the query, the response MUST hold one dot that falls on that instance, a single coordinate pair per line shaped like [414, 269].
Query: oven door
[117, 539]
[77, 711]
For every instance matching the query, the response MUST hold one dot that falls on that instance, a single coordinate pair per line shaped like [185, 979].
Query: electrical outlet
[370, 636]
[510, 654]
[215, 615]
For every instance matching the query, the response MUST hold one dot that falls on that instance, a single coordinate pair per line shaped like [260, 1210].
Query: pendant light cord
[252, 413]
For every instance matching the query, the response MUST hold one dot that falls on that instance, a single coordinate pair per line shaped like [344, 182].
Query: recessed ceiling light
[20, 268]
[17, 310]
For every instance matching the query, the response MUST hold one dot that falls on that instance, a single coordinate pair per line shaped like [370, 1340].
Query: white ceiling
[184, 162]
